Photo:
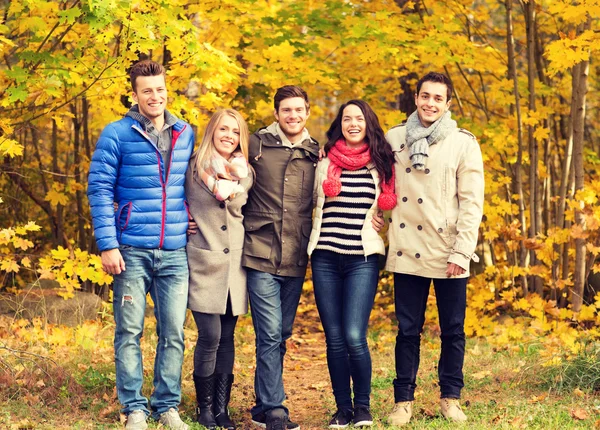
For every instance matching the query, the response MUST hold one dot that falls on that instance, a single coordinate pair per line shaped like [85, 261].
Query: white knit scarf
[419, 138]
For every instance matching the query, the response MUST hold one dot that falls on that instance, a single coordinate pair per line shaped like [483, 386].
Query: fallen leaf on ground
[579, 414]
[481, 375]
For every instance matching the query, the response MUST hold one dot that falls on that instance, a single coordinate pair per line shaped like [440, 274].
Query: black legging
[215, 349]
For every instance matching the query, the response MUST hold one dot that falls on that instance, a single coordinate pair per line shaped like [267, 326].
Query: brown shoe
[401, 414]
[452, 411]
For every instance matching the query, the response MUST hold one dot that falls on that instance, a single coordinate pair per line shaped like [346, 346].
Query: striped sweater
[344, 214]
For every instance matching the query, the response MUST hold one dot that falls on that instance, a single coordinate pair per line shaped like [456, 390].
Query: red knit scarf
[342, 156]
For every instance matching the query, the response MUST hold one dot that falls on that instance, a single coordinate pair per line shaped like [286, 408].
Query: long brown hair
[381, 151]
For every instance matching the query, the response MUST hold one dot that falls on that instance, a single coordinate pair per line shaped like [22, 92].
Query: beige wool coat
[371, 241]
[215, 251]
[436, 220]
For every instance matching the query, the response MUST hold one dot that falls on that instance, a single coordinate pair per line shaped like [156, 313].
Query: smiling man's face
[432, 102]
[292, 116]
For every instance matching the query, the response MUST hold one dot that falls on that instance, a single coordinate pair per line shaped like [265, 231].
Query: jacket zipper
[163, 182]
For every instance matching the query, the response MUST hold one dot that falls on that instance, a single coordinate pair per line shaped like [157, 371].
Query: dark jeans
[273, 303]
[215, 348]
[345, 287]
[410, 294]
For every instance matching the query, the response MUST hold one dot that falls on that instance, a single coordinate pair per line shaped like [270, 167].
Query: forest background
[526, 85]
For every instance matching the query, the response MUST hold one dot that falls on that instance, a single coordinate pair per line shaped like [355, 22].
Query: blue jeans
[164, 274]
[410, 294]
[345, 287]
[273, 303]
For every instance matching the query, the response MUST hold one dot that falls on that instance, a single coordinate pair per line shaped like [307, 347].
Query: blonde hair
[207, 148]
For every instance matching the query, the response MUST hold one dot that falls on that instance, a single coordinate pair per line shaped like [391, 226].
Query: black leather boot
[205, 388]
[223, 384]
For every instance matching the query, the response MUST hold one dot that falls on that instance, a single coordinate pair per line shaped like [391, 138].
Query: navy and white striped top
[344, 214]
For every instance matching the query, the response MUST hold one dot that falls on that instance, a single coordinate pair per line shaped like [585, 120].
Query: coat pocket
[123, 216]
[306, 228]
[259, 236]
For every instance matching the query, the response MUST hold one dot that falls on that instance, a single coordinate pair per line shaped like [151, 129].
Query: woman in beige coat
[217, 184]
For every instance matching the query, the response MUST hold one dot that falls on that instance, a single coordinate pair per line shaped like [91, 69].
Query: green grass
[504, 388]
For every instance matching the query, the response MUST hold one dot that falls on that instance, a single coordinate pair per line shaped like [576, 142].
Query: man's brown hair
[287, 92]
[145, 68]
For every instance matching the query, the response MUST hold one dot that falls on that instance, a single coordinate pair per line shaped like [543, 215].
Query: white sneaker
[136, 420]
[401, 414]
[171, 419]
[452, 411]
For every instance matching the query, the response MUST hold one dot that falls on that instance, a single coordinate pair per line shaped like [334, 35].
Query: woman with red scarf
[354, 182]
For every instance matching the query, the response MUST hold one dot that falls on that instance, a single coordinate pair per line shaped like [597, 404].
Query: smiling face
[354, 126]
[432, 102]
[151, 96]
[292, 116]
[226, 137]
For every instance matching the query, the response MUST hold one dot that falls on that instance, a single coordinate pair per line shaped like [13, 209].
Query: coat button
[408, 170]
[402, 225]
[223, 227]
[285, 210]
[404, 199]
[419, 227]
[440, 230]
[399, 253]
[285, 179]
[427, 171]
[417, 255]
[420, 201]
[389, 220]
[226, 250]
[222, 205]
[402, 146]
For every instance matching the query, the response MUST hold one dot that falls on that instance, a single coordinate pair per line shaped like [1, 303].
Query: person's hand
[378, 221]
[112, 261]
[192, 227]
[454, 270]
[321, 154]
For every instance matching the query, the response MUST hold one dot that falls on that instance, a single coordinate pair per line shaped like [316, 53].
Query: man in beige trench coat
[432, 236]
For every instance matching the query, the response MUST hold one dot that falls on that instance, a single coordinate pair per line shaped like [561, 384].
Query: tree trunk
[578, 114]
[517, 179]
[534, 200]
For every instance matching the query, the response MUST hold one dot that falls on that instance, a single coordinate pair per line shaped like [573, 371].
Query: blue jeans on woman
[163, 273]
[410, 294]
[345, 287]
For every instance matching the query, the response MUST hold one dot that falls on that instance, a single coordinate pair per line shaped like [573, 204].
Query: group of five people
[233, 222]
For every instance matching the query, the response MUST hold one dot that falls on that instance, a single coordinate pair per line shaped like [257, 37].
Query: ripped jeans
[163, 273]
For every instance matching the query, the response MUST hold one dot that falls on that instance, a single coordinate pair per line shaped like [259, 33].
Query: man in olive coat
[277, 220]
[432, 236]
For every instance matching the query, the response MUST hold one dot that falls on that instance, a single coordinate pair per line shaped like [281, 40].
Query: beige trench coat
[439, 210]
[215, 251]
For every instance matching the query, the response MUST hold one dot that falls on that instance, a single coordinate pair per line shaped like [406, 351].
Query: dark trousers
[345, 287]
[215, 348]
[410, 294]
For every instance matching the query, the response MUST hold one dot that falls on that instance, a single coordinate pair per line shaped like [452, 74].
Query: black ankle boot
[223, 384]
[204, 397]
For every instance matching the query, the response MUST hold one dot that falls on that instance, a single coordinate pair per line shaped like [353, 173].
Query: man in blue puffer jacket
[139, 163]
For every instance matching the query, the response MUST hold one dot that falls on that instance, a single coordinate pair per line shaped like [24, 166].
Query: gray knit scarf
[419, 138]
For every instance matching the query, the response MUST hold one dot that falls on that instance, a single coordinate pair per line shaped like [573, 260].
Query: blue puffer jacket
[127, 168]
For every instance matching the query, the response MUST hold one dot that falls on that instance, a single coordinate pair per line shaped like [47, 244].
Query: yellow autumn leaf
[22, 243]
[9, 265]
[26, 262]
[61, 254]
[10, 147]
[55, 198]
